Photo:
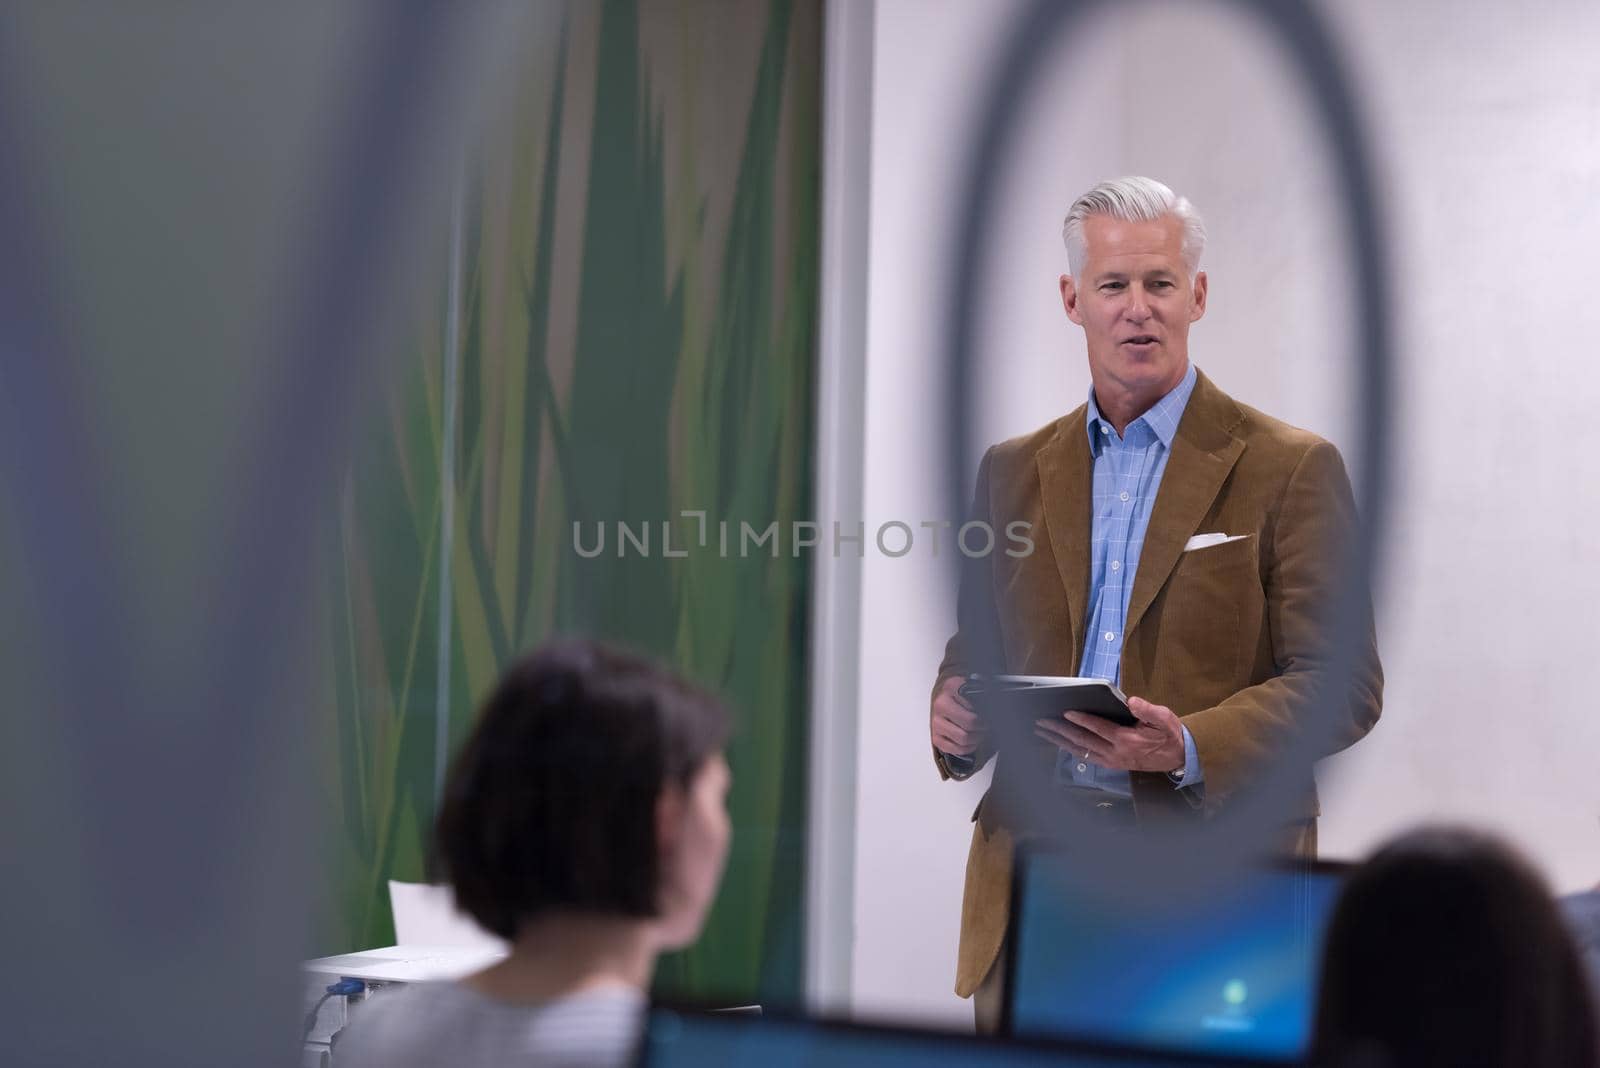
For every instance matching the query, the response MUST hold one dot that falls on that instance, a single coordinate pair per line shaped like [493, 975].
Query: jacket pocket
[1223, 555]
[1210, 619]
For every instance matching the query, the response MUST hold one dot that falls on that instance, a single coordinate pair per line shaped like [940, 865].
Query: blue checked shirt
[1127, 476]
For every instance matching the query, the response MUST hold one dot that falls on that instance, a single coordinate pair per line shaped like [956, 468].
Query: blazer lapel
[1066, 482]
[1203, 452]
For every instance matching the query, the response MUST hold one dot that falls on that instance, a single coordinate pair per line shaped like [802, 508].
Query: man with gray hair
[1190, 554]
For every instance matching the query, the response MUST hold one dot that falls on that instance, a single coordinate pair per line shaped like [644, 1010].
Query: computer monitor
[676, 1038]
[1231, 972]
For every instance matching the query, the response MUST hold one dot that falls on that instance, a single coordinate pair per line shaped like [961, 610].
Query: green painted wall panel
[637, 308]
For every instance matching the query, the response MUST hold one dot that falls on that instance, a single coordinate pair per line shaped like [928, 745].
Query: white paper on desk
[427, 915]
[1206, 541]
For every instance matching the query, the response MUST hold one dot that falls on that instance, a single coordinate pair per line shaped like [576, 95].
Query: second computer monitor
[1230, 972]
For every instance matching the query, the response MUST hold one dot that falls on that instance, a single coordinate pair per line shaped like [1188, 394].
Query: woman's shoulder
[406, 1025]
[434, 1023]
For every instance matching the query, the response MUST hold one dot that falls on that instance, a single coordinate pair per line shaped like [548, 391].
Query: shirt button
[1110, 637]
[1083, 767]
[1124, 494]
[1116, 565]
[1104, 429]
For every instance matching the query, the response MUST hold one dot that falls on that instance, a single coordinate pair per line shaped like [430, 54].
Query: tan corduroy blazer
[1230, 637]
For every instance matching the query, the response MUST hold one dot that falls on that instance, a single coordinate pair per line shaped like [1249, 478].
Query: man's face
[1135, 302]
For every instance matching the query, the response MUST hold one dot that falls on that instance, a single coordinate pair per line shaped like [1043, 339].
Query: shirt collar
[1162, 417]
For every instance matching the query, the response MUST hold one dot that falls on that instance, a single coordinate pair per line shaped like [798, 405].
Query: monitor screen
[680, 1039]
[1228, 973]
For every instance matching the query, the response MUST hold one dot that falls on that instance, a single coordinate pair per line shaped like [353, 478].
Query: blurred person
[1583, 920]
[585, 822]
[1186, 548]
[1445, 948]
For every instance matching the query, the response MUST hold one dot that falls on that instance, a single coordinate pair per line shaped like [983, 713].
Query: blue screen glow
[1233, 975]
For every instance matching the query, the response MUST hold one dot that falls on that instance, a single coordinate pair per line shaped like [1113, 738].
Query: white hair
[1133, 199]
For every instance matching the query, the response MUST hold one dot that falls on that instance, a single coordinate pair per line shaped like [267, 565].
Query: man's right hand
[954, 725]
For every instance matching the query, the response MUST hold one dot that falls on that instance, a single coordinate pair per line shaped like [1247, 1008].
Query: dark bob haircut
[1445, 948]
[551, 803]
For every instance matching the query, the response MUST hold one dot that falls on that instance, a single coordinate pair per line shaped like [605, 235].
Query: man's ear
[1199, 305]
[1069, 299]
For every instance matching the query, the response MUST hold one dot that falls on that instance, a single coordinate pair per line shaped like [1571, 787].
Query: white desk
[379, 968]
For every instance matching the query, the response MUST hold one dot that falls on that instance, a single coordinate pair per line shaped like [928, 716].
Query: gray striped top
[448, 1023]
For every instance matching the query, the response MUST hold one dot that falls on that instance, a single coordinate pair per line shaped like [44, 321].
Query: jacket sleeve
[1310, 555]
[975, 646]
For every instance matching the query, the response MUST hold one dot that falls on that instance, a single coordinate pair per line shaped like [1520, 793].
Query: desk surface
[406, 964]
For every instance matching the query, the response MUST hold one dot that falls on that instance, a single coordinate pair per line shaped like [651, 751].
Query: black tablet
[1041, 696]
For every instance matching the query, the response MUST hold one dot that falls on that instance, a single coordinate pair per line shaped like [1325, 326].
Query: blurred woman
[1445, 948]
[585, 822]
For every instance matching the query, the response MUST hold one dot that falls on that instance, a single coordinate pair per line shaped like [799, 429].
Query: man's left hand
[1154, 744]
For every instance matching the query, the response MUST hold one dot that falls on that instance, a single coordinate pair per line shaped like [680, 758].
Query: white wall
[1489, 139]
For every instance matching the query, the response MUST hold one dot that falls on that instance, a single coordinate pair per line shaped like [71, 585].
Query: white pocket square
[1206, 541]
